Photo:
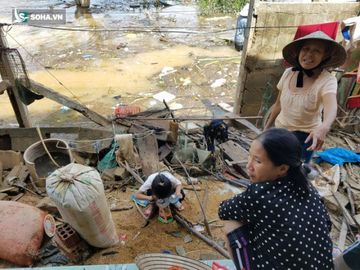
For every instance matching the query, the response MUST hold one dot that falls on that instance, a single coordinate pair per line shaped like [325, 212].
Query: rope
[43, 143]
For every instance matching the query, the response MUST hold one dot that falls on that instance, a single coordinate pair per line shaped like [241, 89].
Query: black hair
[282, 147]
[161, 186]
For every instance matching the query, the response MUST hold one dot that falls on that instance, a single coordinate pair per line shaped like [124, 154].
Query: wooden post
[242, 72]
[7, 73]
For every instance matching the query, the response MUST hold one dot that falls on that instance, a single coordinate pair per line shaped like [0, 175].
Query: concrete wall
[275, 26]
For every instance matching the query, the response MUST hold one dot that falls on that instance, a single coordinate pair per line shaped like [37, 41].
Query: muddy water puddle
[102, 68]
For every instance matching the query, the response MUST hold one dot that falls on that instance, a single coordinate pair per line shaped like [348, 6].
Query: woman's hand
[178, 191]
[318, 134]
[318, 137]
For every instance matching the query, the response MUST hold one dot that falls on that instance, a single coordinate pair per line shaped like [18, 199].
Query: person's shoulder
[258, 189]
[325, 74]
[151, 177]
[327, 80]
[167, 174]
[286, 74]
[288, 71]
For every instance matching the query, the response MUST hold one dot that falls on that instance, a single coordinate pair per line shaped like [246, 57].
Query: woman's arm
[236, 208]
[276, 108]
[141, 196]
[178, 190]
[330, 111]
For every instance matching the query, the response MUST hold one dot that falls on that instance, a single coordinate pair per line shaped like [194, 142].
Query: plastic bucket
[40, 164]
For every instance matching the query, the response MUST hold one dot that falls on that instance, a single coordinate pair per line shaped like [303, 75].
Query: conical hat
[337, 52]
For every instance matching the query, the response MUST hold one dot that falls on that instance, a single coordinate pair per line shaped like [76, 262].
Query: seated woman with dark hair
[279, 222]
[162, 189]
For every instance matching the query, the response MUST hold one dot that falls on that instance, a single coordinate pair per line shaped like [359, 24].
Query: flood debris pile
[338, 184]
[76, 184]
[79, 192]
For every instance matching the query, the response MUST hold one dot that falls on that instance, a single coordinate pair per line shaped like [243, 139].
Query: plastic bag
[78, 193]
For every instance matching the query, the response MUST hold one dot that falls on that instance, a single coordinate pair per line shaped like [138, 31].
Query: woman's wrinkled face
[311, 54]
[260, 167]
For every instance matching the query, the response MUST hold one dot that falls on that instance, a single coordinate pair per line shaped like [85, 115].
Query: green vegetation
[208, 7]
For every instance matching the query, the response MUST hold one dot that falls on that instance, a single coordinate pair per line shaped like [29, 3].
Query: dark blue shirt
[288, 227]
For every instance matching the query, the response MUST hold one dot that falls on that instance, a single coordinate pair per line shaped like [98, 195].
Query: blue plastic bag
[338, 155]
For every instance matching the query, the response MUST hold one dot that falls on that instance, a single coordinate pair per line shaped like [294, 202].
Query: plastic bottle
[175, 200]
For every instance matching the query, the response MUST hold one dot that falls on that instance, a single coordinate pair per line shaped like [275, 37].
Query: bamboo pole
[197, 196]
[208, 241]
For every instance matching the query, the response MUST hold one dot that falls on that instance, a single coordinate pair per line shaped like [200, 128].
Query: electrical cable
[158, 29]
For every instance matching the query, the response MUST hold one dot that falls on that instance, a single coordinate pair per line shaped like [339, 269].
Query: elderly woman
[306, 103]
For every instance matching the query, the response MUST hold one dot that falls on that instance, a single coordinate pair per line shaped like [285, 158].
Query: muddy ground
[158, 237]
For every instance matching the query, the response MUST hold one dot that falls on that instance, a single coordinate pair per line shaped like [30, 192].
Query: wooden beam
[7, 73]
[242, 71]
[4, 85]
[66, 101]
[239, 120]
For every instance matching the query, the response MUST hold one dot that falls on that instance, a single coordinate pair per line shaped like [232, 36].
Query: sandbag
[21, 232]
[78, 193]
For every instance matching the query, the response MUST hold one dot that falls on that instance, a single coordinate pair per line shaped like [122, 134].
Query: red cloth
[330, 29]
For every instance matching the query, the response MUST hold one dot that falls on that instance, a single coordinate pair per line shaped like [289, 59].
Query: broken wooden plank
[344, 180]
[237, 154]
[343, 233]
[131, 171]
[164, 151]
[10, 159]
[333, 204]
[235, 118]
[345, 212]
[18, 174]
[234, 151]
[4, 85]
[68, 102]
[148, 152]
